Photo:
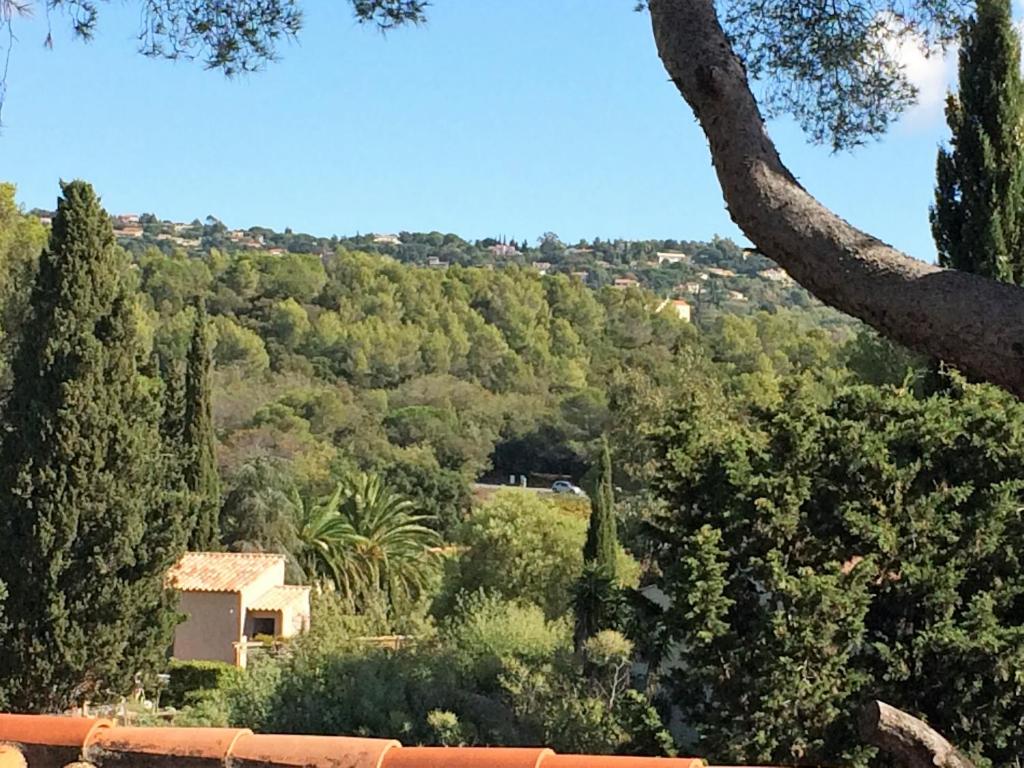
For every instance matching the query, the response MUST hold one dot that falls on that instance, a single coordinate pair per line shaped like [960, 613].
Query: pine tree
[978, 215]
[85, 538]
[200, 469]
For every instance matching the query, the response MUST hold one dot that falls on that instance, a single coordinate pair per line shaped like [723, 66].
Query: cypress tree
[200, 470]
[602, 542]
[978, 213]
[597, 599]
[85, 538]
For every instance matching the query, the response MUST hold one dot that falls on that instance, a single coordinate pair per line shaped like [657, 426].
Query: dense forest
[784, 509]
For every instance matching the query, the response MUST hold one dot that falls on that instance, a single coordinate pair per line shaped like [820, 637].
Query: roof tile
[219, 571]
[277, 598]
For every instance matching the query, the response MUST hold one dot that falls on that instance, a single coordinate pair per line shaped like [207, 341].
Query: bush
[485, 631]
[522, 548]
[191, 677]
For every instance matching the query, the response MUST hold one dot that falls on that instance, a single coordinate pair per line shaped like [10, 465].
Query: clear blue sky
[497, 117]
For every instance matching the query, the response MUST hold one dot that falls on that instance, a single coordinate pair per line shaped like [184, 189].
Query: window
[264, 626]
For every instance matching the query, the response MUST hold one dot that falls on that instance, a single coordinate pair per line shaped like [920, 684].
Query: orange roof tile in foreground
[219, 571]
[53, 742]
[467, 757]
[49, 741]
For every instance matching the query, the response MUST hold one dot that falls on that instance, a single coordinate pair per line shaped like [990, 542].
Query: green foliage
[191, 677]
[87, 532]
[597, 602]
[446, 729]
[485, 632]
[198, 442]
[592, 711]
[601, 546]
[821, 553]
[498, 673]
[21, 240]
[520, 547]
[978, 216]
[392, 554]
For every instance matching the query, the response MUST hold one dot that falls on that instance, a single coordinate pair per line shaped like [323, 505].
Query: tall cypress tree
[602, 542]
[84, 535]
[200, 470]
[978, 215]
[597, 599]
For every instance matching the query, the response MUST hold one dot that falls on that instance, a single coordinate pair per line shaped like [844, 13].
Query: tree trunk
[912, 743]
[972, 322]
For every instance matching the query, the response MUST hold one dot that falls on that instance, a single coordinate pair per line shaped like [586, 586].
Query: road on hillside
[484, 488]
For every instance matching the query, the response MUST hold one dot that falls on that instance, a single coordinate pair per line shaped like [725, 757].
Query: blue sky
[497, 117]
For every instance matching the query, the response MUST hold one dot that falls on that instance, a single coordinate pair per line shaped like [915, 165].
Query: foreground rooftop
[50, 741]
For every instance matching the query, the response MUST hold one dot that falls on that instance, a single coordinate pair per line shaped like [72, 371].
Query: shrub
[190, 677]
[520, 547]
[485, 631]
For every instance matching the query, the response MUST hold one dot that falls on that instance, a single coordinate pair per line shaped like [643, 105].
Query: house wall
[213, 625]
[295, 617]
[273, 576]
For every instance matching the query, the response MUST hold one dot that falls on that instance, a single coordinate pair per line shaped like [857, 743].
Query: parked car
[564, 486]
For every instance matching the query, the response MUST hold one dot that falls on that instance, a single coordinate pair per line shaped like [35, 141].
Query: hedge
[197, 676]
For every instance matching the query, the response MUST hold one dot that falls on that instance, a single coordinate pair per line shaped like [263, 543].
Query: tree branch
[907, 739]
[972, 322]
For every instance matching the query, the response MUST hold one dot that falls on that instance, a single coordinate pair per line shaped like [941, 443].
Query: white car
[564, 486]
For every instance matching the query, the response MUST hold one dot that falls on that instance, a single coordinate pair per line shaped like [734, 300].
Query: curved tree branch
[907, 739]
[972, 322]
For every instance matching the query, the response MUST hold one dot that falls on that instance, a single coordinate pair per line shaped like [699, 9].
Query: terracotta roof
[219, 571]
[49, 740]
[277, 598]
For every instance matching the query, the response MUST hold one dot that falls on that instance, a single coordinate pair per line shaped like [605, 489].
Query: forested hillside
[335, 354]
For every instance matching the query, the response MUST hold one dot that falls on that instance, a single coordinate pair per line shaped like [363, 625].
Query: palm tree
[325, 542]
[393, 550]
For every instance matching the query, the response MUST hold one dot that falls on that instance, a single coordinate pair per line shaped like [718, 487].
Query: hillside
[437, 361]
[712, 277]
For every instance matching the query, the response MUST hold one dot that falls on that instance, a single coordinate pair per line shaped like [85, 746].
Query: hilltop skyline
[563, 121]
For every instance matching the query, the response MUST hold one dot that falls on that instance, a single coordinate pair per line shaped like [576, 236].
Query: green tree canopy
[978, 216]
[817, 554]
[86, 535]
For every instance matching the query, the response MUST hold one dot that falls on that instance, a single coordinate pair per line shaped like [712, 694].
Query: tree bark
[912, 743]
[972, 322]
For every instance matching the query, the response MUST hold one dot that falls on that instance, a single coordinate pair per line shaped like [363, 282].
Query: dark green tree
[85, 534]
[602, 534]
[821, 552]
[978, 215]
[597, 600]
[198, 441]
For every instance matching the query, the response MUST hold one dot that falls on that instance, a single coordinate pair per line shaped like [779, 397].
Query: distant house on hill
[435, 263]
[542, 266]
[231, 598]
[776, 275]
[386, 240]
[622, 283]
[672, 257]
[680, 307]
[720, 272]
[502, 249]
